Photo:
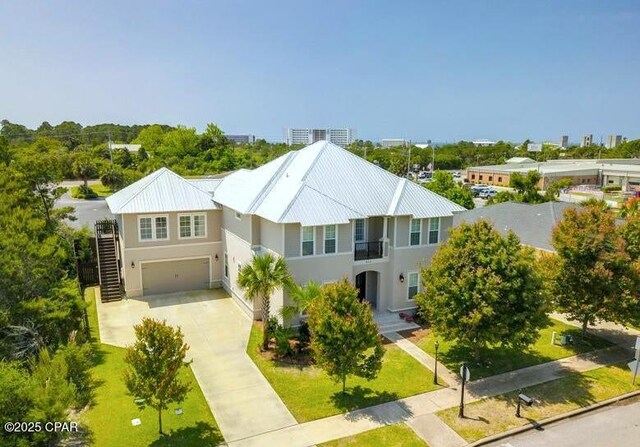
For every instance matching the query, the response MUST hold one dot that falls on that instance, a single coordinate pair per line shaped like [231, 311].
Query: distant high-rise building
[587, 141]
[393, 142]
[564, 141]
[341, 137]
[614, 140]
[242, 139]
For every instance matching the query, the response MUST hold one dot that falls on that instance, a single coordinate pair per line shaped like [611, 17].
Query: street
[87, 211]
[617, 425]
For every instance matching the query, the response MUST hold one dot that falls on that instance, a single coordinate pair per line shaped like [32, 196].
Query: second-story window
[359, 232]
[414, 236]
[434, 230]
[192, 225]
[153, 228]
[329, 239]
[307, 241]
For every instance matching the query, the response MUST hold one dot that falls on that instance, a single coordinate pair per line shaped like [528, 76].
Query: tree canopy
[482, 288]
[593, 276]
[443, 183]
[344, 335]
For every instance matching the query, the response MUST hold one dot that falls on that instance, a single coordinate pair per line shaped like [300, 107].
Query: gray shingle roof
[532, 223]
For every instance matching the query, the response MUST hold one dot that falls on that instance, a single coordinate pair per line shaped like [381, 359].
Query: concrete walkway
[242, 400]
[418, 411]
[425, 359]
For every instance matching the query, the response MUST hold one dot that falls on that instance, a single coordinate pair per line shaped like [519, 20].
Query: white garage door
[175, 276]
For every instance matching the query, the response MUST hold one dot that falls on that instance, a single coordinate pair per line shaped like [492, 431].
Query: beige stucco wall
[271, 235]
[240, 227]
[239, 253]
[292, 240]
[130, 232]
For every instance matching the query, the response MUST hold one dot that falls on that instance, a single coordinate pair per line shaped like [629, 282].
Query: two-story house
[328, 212]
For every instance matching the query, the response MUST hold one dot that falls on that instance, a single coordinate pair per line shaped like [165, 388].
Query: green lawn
[310, 394]
[109, 418]
[497, 414]
[497, 359]
[398, 435]
[101, 190]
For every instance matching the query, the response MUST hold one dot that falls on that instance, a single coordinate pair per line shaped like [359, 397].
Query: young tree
[84, 168]
[260, 280]
[526, 186]
[154, 363]
[593, 277]
[483, 288]
[113, 178]
[553, 190]
[301, 298]
[344, 336]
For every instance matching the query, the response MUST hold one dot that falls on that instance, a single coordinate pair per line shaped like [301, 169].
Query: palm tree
[260, 279]
[301, 297]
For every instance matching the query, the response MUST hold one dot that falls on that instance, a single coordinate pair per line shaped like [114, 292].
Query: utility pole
[433, 158]
[409, 160]
[110, 151]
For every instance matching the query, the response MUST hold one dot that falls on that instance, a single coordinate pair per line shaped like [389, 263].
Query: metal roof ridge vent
[271, 183]
[315, 161]
[395, 200]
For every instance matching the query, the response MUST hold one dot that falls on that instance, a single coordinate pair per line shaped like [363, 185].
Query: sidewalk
[414, 410]
[615, 333]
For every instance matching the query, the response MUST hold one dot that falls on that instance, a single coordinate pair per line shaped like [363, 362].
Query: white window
[329, 239]
[226, 266]
[192, 226]
[414, 281]
[146, 228]
[414, 236]
[238, 215]
[308, 241]
[434, 230]
[359, 231]
[153, 228]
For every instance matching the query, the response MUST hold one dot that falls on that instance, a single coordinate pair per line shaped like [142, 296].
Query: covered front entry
[175, 276]
[367, 285]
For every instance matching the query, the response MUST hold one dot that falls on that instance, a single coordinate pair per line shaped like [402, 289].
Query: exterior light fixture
[401, 278]
[133, 265]
[216, 257]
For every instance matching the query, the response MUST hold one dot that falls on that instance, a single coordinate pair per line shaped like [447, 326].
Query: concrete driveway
[217, 331]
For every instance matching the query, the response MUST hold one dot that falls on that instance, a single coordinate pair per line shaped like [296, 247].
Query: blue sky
[440, 70]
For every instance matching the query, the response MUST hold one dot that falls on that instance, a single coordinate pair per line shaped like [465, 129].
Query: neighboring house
[328, 212]
[532, 223]
[129, 147]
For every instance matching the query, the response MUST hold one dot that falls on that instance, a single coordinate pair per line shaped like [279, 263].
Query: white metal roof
[160, 192]
[324, 184]
[520, 160]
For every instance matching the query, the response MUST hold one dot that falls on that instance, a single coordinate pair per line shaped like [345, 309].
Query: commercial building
[587, 141]
[394, 142]
[242, 139]
[313, 207]
[483, 143]
[613, 141]
[622, 172]
[341, 137]
[564, 141]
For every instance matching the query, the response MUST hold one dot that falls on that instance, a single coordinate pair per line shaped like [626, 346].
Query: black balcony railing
[368, 250]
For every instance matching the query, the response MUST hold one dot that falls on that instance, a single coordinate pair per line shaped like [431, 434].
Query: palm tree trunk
[266, 304]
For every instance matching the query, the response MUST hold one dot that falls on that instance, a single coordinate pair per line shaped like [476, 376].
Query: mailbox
[525, 399]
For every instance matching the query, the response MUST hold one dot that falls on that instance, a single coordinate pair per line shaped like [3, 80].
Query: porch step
[396, 326]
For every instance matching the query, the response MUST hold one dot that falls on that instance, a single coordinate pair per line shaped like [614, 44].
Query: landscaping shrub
[611, 188]
[282, 338]
[83, 193]
[304, 337]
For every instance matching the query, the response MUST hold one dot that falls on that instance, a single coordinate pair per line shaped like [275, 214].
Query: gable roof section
[325, 184]
[532, 223]
[160, 192]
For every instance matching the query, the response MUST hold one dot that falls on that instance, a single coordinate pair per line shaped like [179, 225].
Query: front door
[361, 285]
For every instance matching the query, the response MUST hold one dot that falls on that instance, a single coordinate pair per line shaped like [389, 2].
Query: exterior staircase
[108, 260]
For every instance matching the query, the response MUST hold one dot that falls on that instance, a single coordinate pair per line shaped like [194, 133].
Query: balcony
[368, 250]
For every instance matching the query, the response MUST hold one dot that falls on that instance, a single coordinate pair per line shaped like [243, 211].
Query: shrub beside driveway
[310, 394]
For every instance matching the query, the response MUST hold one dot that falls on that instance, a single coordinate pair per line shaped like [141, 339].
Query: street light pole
[464, 379]
[435, 369]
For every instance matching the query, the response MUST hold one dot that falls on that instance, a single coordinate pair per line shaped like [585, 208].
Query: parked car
[476, 190]
[488, 193]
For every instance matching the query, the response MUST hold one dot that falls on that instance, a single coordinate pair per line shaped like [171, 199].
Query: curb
[551, 420]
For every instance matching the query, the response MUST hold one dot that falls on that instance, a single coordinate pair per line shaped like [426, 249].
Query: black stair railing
[368, 250]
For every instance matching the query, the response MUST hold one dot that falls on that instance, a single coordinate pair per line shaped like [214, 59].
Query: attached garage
[175, 276]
